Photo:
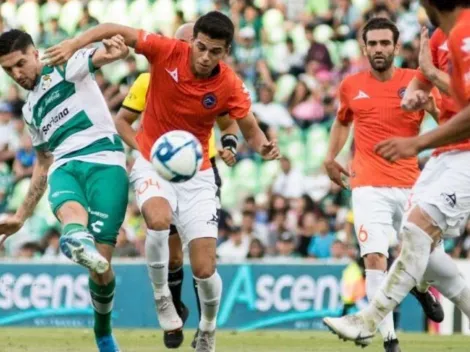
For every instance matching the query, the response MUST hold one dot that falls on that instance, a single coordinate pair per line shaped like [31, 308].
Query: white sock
[462, 301]
[157, 253]
[210, 293]
[407, 271]
[374, 279]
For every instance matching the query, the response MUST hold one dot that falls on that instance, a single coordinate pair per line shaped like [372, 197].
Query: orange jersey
[374, 107]
[440, 57]
[459, 46]
[177, 100]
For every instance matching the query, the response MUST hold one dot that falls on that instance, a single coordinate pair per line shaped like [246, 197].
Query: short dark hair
[14, 40]
[215, 25]
[449, 5]
[380, 23]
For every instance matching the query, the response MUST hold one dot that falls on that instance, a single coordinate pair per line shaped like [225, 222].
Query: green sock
[71, 229]
[102, 299]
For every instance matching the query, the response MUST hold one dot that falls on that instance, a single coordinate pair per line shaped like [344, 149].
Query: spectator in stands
[257, 250]
[14, 99]
[8, 136]
[410, 56]
[51, 245]
[53, 33]
[285, 246]
[321, 242]
[294, 60]
[339, 250]
[318, 51]
[132, 72]
[247, 54]
[251, 18]
[347, 20]
[86, 21]
[306, 230]
[25, 158]
[270, 112]
[29, 250]
[237, 246]
[276, 228]
[289, 182]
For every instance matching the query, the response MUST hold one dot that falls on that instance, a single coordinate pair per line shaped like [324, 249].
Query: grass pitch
[79, 340]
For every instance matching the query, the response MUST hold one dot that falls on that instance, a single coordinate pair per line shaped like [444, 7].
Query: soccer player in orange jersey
[190, 86]
[371, 100]
[442, 192]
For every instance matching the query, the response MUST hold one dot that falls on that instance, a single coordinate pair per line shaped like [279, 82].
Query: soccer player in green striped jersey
[79, 156]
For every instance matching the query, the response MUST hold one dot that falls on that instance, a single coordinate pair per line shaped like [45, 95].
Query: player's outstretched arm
[256, 139]
[38, 186]
[415, 93]
[338, 136]
[123, 121]
[60, 53]
[114, 49]
[229, 140]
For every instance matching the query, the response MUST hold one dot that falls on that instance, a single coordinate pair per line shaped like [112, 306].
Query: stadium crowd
[292, 56]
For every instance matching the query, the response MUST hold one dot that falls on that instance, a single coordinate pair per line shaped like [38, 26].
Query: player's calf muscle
[72, 213]
[425, 222]
[176, 253]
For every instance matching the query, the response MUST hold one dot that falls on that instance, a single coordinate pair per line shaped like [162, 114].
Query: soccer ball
[177, 156]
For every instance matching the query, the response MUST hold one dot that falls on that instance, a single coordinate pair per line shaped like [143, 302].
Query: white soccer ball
[177, 156]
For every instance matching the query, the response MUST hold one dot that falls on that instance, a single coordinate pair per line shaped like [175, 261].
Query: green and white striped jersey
[67, 115]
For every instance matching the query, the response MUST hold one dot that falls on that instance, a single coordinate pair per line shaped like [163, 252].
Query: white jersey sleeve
[36, 136]
[80, 65]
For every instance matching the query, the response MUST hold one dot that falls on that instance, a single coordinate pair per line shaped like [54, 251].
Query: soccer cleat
[196, 335]
[168, 318]
[352, 328]
[174, 339]
[392, 346]
[81, 249]
[107, 344]
[431, 306]
[206, 341]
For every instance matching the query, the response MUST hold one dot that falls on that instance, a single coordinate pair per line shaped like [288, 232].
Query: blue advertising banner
[255, 296]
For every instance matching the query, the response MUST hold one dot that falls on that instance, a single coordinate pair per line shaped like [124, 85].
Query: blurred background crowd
[291, 54]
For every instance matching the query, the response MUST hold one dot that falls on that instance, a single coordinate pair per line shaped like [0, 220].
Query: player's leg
[373, 217]
[107, 190]
[199, 229]
[68, 202]
[157, 202]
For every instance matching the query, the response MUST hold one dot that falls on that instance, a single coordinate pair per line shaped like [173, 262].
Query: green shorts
[102, 190]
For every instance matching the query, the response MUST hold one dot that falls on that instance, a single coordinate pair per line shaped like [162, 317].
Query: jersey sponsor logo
[361, 95]
[401, 92]
[209, 101]
[173, 74]
[54, 120]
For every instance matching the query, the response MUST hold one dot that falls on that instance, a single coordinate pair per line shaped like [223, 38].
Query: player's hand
[60, 53]
[415, 101]
[9, 225]
[270, 151]
[228, 157]
[335, 172]
[425, 58]
[116, 48]
[398, 148]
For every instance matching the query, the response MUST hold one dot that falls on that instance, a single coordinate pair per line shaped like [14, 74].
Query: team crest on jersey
[209, 101]
[401, 92]
[46, 82]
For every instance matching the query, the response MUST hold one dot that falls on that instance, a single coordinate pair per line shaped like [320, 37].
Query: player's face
[22, 67]
[431, 12]
[380, 49]
[206, 54]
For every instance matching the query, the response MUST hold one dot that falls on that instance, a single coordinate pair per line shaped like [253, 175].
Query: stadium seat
[163, 14]
[272, 19]
[8, 11]
[268, 173]
[117, 12]
[285, 85]
[70, 15]
[362, 5]
[295, 151]
[50, 10]
[229, 194]
[189, 8]
[272, 53]
[300, 40]
[97, 9]
[318, 7]
[246, 175]
[323, 33]
[28, 18]
[18, 194]
[350, 49]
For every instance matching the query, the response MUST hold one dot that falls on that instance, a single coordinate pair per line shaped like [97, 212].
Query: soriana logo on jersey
[209, 101]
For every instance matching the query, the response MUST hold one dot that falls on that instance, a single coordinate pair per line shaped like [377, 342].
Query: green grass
[75, 340]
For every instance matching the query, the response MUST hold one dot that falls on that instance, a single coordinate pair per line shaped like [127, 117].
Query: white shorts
[445, 184]
[378, 213]
[194, 203]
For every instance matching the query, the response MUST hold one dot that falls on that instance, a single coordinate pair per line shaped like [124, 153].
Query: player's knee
[157, 214]
[375, 261]
[204, 272]
[428, 218]
[158, 222]
[176, 260]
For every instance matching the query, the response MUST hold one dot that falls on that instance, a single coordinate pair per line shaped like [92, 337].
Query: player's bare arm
[416, 95]
[438, 78]
[256, 139]
[114, 49]
[338, 136]
[60, 53]
[229, 131]
[123, 121]
[38, 186]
